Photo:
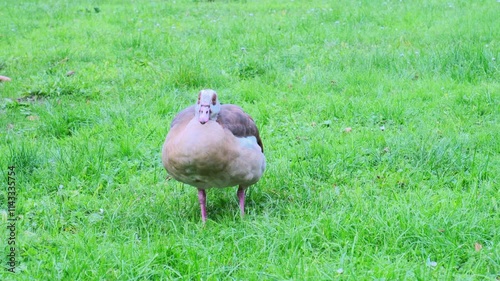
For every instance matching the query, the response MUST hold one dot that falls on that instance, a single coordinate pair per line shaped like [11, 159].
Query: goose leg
[202, 197]
[241, 197]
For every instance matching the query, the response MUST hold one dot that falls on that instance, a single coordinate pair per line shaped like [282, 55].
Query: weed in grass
[24, 156]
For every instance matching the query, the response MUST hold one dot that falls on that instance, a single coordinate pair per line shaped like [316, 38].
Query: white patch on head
[208, 98]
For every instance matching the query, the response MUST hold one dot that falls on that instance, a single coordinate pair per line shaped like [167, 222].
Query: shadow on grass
[222, 203]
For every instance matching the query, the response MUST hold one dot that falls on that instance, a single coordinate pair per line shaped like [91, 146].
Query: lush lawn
[380, 122]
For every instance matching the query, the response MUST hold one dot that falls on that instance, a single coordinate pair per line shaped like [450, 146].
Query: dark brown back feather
[234, 119]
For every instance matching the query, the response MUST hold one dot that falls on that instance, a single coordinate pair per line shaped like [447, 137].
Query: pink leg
[202, 197]
[241, 196]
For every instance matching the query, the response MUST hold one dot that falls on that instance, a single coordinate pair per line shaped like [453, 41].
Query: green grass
[364, 204]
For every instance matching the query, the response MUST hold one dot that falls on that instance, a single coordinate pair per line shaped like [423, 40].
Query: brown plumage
[212, 145]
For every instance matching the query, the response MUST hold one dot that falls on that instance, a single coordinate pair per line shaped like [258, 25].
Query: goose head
[208, 106]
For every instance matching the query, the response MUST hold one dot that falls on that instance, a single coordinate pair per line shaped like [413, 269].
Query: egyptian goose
[213, 145]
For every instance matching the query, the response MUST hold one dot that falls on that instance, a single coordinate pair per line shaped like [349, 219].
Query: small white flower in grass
[101, 211]
[431, 263]
[22, 267]
[337, 190]
[61, 187]
[340, 270]
[5, 215]
[382, 128]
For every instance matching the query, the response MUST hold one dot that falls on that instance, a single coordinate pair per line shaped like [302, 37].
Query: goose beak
[204, 116]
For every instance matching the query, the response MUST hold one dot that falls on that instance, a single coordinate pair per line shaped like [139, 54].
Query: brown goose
[213, 145]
